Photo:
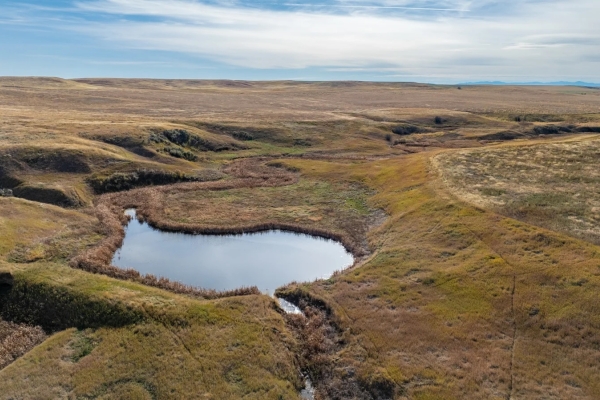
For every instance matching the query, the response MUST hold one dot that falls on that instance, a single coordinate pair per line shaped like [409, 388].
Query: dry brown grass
[553, 185]
[452, 301]
[299, 101]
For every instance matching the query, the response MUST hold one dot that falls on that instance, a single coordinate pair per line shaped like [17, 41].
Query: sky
[435, 41]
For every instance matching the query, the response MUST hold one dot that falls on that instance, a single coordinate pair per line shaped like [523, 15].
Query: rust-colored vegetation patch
[16, 340]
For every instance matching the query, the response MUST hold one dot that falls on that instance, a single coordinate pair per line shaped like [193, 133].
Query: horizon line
[457, 83]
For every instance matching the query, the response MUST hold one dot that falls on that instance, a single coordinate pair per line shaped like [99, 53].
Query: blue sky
[439, 41]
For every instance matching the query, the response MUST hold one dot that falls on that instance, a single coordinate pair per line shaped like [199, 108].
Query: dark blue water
[268, 260]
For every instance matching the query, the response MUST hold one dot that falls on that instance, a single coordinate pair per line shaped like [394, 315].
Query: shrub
[551, 130]
[242, 135]
[589, 129]
[177, 136]
[179, 153]
[438, 120]
[404, 130]
[157, 137]
[205, 145]
[501, 136]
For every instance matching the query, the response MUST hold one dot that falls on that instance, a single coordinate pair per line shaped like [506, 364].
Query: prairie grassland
[457, 302]
[31, 231]
[475, 283]
[554, 185]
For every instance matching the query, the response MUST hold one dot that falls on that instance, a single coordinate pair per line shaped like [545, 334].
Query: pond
[267, 260]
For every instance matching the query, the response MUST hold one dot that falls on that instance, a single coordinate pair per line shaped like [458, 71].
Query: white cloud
[533, 38]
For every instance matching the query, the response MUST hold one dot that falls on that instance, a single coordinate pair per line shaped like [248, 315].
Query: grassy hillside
[458, 302]
[472, 215]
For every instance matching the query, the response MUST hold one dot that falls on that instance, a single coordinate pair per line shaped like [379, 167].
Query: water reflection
[267, 260]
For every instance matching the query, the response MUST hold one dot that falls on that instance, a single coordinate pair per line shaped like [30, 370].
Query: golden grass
[454, 299]
[552, 185]
[182, 347]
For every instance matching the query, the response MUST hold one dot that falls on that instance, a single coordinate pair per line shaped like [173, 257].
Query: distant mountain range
[559, 83]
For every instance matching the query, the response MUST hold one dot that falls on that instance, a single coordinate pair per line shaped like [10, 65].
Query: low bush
[404, 130]
[179, 153]
[241, 132]
[589, 129]
[551, 130]
[177, 136]
[16, 340]
[502, 136]
[242, 135]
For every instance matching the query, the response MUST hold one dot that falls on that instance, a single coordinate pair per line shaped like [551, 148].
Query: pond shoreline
[110, 212]
[266, 259]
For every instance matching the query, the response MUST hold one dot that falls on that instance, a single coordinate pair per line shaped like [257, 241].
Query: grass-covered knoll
[31, 231]
[172, 346]
[553, 185]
